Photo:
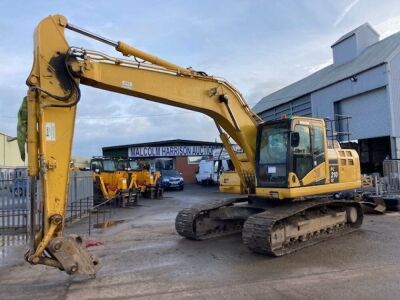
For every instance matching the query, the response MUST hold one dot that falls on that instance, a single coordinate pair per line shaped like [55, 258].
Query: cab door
[308, 162]
[302, 160]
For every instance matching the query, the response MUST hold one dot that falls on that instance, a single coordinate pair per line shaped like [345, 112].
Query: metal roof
[354, 31]
[9, 137]
[176, 142]
[374, 55]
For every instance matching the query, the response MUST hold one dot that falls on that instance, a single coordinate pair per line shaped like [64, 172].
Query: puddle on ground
[10, 247]
[392, 214]
[108, 224]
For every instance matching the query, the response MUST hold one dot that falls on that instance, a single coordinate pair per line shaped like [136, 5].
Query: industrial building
[182, 155]
[363, 82]
[9, 152]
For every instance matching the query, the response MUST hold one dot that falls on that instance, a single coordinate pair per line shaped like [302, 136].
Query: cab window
[272, 155]
[318, 145]
[304, 146]
[96, 165]
[302, 157]
[109, 165]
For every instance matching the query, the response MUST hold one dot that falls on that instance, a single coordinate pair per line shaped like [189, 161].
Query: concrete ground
[143, 258]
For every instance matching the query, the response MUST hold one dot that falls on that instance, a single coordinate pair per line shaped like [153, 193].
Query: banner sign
[221, 153]
[171, 151]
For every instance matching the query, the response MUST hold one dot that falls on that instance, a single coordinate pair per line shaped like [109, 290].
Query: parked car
[171, 179]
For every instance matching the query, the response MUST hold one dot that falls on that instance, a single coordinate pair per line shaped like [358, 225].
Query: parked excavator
[139, 175]
[289, 171]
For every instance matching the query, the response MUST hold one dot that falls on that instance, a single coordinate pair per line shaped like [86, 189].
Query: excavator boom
[54, 93]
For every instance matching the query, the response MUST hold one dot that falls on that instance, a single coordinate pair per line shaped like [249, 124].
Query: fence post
[90, 219]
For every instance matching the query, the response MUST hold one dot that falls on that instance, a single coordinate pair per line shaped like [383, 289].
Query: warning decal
[50, 131]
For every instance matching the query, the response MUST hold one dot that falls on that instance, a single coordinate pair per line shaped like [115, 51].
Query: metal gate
[15, 202]
[391, 175]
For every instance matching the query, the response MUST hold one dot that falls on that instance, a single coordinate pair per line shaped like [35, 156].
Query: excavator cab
[100, 164]
[128, 165]
[293, 155]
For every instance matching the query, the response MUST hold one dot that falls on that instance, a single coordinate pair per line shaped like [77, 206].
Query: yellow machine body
[337, 169]
[110, 183]
[54, 93]
[229, 182]
[145, 178]
[315, 167]
[138, 175]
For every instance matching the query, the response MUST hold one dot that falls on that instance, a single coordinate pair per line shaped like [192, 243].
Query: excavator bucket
[73, 256]
[374, 205]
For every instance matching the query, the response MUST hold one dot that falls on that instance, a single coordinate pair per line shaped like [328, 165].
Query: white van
[209, 171]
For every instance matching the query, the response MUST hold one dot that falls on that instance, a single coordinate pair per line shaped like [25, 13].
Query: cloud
[91, 135]
[259, 46]
[314, 68]
[388, 27]
[108, 119]
[15, 67]
[343, 14]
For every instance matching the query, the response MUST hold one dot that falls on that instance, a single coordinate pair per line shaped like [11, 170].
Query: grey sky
[260, 46]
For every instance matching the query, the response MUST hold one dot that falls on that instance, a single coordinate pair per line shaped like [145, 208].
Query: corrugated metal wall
[369, 114]
[345, 51]
[323, 100]
[394, 90]
[298, 107]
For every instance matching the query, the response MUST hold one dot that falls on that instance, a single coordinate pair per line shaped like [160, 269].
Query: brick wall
[188, 170]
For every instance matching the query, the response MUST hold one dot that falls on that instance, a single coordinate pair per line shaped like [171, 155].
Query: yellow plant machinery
[145, 181]
[287, 168]
[112, 184]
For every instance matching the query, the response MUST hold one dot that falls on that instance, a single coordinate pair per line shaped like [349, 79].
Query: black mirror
[294, 139]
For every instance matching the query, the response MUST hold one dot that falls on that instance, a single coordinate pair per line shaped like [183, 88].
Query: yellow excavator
[293, 176]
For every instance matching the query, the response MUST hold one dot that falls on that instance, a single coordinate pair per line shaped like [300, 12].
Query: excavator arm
[54, 93]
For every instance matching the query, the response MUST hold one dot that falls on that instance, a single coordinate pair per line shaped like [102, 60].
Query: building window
[195, 160]
[163, 164]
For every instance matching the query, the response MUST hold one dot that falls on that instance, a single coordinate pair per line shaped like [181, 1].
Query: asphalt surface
[143, 258]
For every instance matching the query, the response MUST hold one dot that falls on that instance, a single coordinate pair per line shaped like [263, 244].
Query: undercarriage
[271, 227]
